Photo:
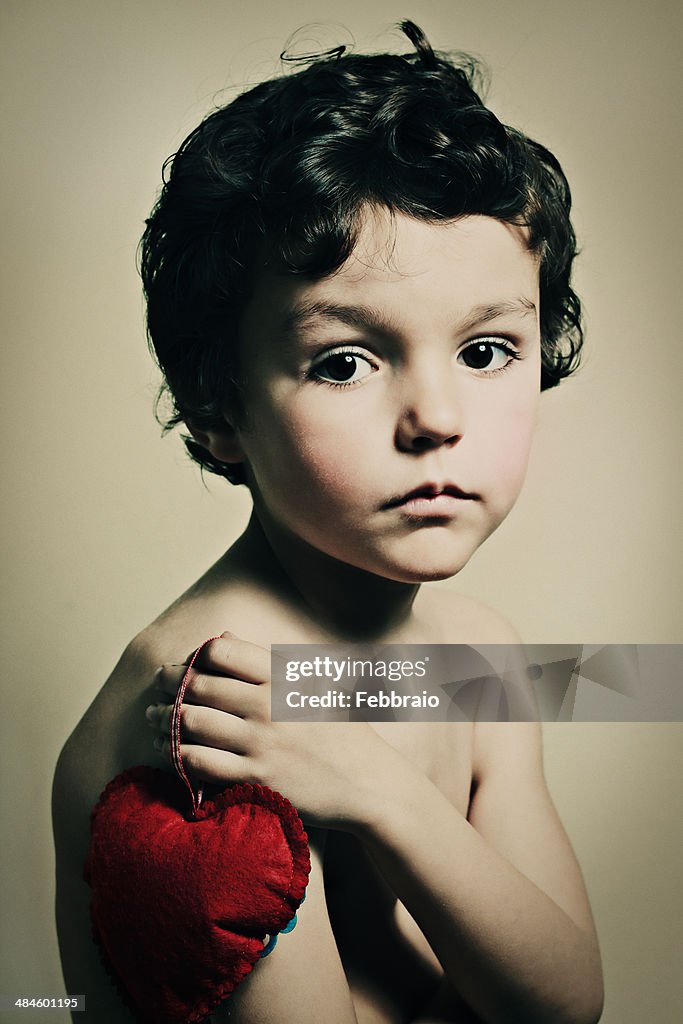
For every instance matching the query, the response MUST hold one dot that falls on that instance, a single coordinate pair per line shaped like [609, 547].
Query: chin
[439, 559]
[425, 574]
[424, 571]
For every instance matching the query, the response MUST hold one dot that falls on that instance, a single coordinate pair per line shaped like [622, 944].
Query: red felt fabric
[180, 906]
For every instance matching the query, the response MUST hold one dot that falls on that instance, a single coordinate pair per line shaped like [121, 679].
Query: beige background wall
[105, 523]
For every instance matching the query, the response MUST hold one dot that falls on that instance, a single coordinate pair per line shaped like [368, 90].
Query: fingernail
[150, 712]
[158, 743]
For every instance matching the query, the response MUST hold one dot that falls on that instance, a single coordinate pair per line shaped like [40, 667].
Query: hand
[326, 769]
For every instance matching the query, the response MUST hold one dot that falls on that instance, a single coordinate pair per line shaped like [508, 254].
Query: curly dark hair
[292, 163]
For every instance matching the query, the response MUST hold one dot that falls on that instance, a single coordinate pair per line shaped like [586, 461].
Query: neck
[350, 603]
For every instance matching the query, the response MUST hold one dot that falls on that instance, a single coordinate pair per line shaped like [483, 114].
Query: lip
[432, 499]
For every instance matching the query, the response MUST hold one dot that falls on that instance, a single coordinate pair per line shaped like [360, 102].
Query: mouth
[432, 499]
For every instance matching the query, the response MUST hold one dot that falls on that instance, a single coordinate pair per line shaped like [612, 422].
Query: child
[358, 281]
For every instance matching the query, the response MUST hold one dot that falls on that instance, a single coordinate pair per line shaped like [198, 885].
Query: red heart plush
[181, 906]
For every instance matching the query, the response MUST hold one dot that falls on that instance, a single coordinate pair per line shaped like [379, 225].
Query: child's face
[390, 407]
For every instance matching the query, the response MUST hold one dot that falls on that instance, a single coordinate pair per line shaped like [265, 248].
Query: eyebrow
[313, 312]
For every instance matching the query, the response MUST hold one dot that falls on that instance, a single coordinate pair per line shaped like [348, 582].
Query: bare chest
[389, 965]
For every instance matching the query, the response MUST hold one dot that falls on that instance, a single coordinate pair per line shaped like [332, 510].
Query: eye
[342, 366]
[487, 355]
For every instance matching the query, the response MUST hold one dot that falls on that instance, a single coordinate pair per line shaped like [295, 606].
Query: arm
[93, 754]
[81, 964]
[282, 987]
[302, 974]
[288, 987]
[499, 896]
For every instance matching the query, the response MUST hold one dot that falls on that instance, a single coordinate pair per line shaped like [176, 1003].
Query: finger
[168, 678]
[207, 727]
[159, 718]
[203, 726]
[224, 693]
[224, 655]
[229, 656]
[234, 696]
[201, 687]
[207, 764]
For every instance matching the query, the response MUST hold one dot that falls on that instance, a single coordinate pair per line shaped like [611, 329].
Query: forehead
[409, 272]
[395, 246]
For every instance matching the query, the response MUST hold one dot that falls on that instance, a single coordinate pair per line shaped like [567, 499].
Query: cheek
[504, 443]
[306, 455]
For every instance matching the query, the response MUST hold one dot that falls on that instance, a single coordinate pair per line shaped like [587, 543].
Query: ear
[222, 442]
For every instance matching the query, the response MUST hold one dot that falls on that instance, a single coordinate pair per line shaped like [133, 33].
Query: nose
[431, 414]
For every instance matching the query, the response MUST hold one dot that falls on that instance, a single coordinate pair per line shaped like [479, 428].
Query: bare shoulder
[103, 740]
[112, 734]
[497, 747]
